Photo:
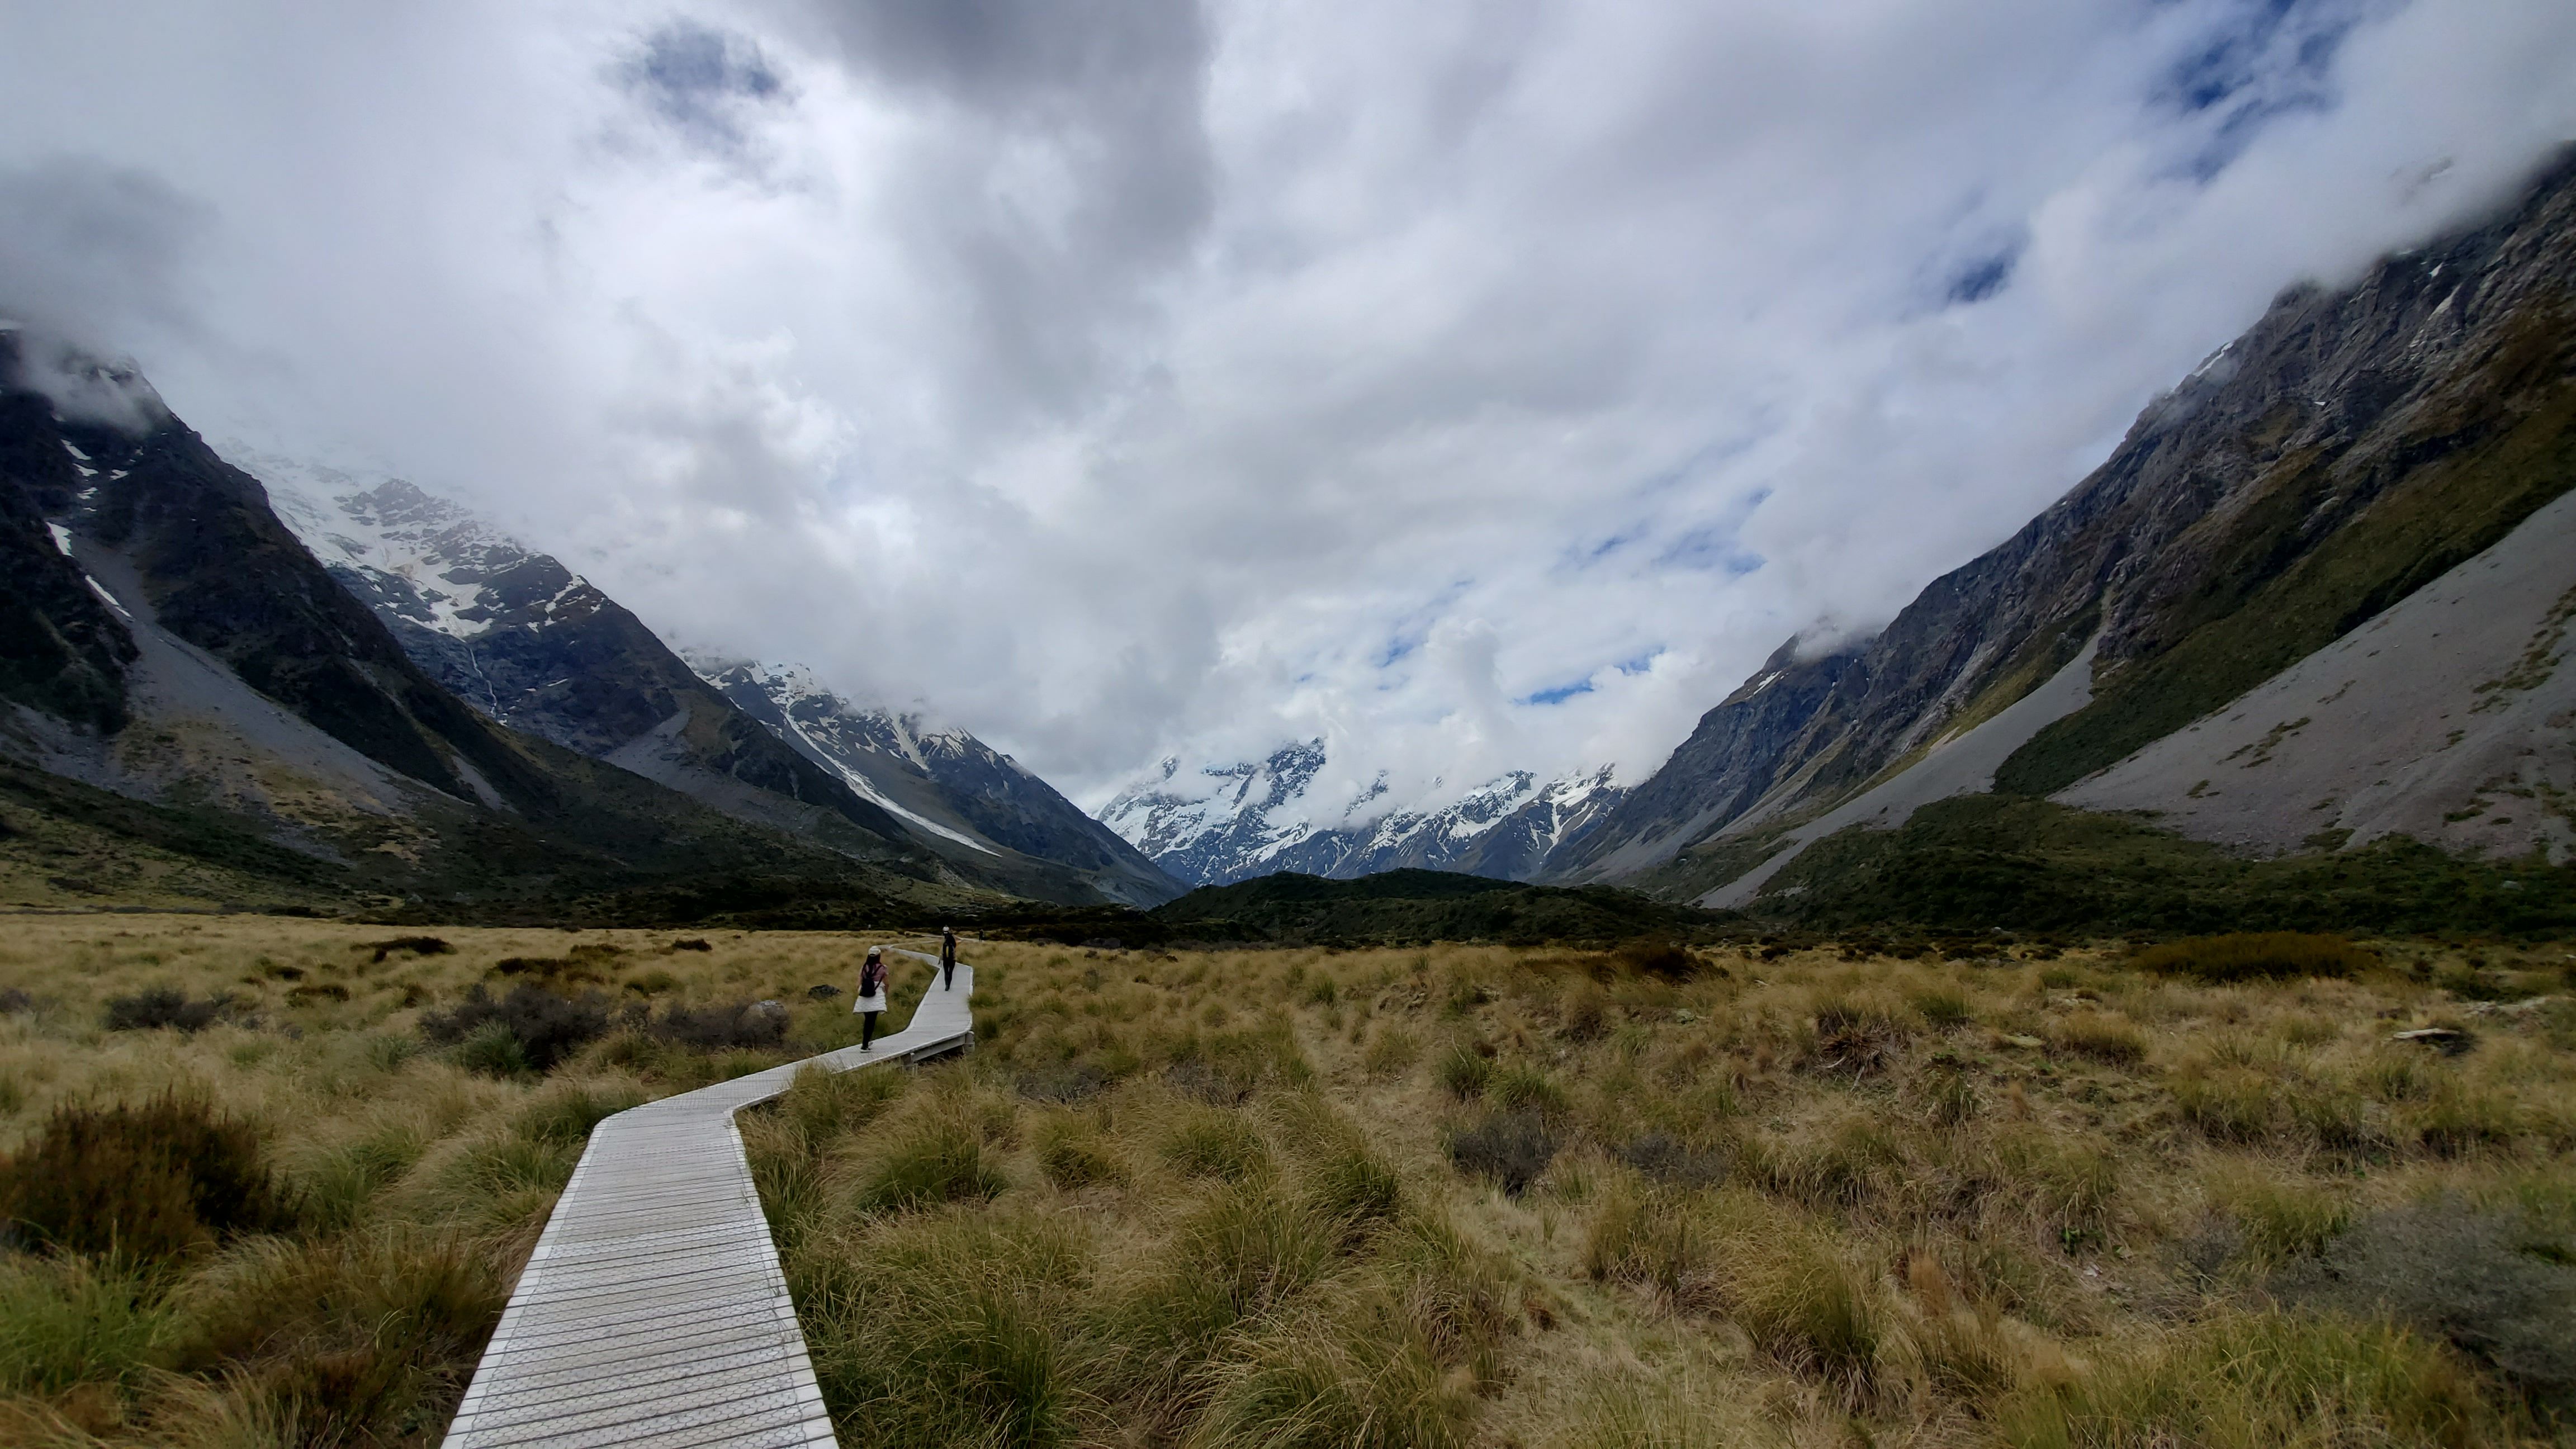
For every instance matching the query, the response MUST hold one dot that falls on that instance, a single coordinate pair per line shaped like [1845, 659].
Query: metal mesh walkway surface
[653, 1311]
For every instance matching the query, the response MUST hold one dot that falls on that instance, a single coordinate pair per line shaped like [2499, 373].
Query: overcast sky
[1477, 386]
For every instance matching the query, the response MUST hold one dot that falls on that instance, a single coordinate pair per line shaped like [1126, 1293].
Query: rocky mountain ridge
[537, 647]
[1231, 823]
[2351, 447]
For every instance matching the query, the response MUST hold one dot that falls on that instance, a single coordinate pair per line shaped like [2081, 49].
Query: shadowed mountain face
[539, 648]
[2351, 447]
[943, 781]
[173, 642]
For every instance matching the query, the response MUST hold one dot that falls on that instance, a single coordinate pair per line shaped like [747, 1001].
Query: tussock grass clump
[66, 1321]
[142, 1183]
[1074, 1155]
[1215, 1142]
[2255, 956]
[1464, 1071]
[2261, 1379]
[936, 1158]
[2102, 1037]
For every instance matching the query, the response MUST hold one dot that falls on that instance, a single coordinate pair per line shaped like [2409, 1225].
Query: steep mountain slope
[2349, 448]
[537, 647]
[174, 643]
[941, 780]
[1252, 819]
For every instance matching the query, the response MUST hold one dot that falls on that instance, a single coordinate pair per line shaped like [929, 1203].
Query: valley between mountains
[2314, 608]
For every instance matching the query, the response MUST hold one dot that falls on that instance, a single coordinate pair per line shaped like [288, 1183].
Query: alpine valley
[2295, 653]
[281, 684]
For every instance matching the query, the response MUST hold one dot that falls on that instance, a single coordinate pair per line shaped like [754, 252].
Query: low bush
[544, 1026]
[755, 1025]
[141, 1183]
[164, 1006]
[2259, 955]
[2499, 1286]
[1510, 1149]
[416, 945]
[1670, 1160]
[1668, 959]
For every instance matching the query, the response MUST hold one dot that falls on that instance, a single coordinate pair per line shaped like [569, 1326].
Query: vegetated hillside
[2351, 447]
[1420, 905]
[177, 645]
[524, 640]
[2022, 864]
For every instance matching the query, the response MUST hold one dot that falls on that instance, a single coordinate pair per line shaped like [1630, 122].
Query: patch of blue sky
[1715, 548]
[1557, 695]
[2263, 60]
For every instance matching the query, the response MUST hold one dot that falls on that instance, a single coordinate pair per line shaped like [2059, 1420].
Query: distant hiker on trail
[947, 957]
[872, 997]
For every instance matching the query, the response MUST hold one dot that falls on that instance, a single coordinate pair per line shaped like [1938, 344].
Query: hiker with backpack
[947, 958]
[872, 997]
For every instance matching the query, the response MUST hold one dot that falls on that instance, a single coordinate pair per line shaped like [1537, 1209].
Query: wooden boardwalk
[653, 1311]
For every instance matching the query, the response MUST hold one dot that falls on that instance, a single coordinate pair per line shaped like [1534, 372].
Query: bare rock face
[2350, 448]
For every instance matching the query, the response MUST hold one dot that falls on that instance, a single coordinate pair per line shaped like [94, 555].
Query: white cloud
[1133, 380]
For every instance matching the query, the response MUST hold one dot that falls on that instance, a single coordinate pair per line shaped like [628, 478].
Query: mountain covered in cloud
[1227, 823]
[2319, 596]
[537, 647]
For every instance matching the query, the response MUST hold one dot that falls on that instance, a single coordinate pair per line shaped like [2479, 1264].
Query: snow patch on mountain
[1226, 823]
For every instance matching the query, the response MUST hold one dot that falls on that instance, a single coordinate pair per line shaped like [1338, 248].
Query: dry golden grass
[420, 1184]
[1236, 1198]
[1801, 1200]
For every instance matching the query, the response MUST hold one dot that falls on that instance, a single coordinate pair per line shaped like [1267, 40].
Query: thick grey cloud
[1474, 385]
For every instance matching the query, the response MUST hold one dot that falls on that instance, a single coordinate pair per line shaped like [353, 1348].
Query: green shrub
[2250, 956]
[141, 1183]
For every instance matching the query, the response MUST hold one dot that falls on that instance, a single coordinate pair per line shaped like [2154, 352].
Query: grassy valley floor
[1451, 1195]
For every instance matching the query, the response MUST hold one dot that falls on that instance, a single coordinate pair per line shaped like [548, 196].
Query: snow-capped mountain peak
[1230, 822]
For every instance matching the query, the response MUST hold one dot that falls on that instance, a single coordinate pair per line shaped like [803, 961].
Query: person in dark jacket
[947, 958]
[872, 997]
